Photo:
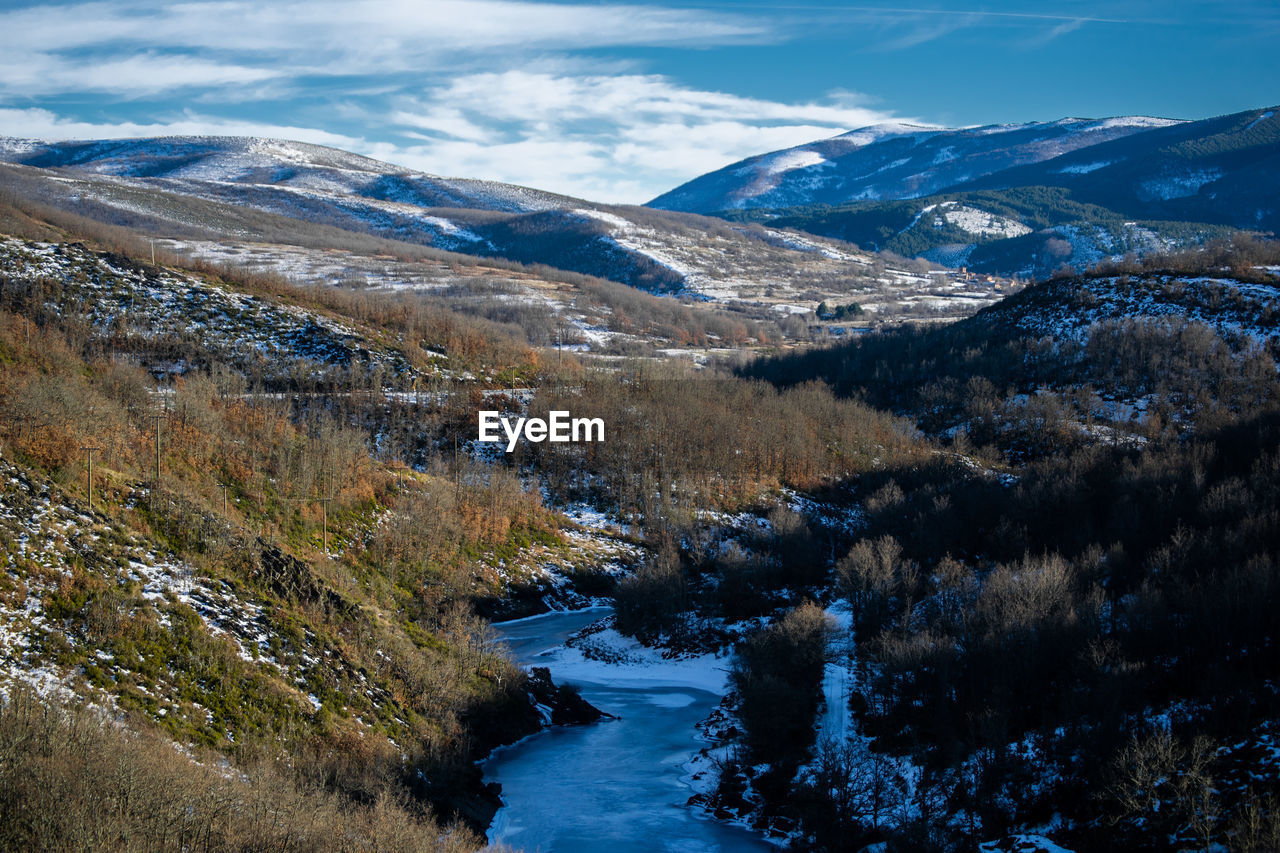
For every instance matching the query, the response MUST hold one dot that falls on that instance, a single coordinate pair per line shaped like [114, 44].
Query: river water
[615, 785]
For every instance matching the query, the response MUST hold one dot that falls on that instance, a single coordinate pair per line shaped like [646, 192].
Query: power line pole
[324, 510]
[324, 523]
[262, 502]
[224, 487]
[157, 418]
[91, 451]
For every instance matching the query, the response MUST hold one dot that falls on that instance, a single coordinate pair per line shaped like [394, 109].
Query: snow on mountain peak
[1137, 121]
[884, 130]
[801, 158]
[894, 159]
[287, 169]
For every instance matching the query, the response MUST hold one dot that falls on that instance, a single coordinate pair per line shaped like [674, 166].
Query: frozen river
[616, 785]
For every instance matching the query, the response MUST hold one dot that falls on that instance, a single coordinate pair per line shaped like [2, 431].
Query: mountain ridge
[1163, 186]
[264, 160]
[870, 163]
[202, 187]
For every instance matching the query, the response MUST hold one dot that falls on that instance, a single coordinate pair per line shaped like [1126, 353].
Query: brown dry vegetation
[388, 606]
[71, 779]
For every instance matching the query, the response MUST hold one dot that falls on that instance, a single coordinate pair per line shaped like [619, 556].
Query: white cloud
[525, 96]
[1060, 30]
[38, 123]
[352, 37]
[130, 76]
[611, 138]
[496, 89]
[616, 138]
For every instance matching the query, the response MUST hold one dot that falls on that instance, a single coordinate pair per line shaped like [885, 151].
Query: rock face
[291, 578]
[567, 706]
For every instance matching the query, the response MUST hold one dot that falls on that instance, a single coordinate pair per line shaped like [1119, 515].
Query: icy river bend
[617, 785]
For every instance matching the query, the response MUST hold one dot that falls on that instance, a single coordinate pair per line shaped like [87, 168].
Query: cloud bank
[499, 89]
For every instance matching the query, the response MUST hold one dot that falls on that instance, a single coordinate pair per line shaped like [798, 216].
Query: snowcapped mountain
[184, 163]
[1223, 170]
[198, 190]
[1014, 199]
[891, 161]
[315, 184]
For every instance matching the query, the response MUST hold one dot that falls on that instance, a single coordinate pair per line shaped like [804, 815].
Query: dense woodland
[901, 226]
[1085, 635]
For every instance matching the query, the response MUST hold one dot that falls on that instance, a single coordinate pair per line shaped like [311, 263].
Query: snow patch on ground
[836, 724]
[612, 659]
[1023, 843]
[1083, 168]
[981, 222]
[1251, 125]
[794, 159]
[1177, 186]
[864, 136]
[1137, 121]
[624, 225]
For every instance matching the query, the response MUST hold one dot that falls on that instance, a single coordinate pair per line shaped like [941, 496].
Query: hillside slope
[890, 161]
[1067, 193]
[765, 274]
[243, 574]
[1158, 345]
[187, 162]
[1223, 170]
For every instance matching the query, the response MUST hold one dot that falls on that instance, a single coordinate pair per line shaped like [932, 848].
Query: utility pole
[324, 515]
[153, 253]
[157, 418]
[224, 487]
[455, 469]
[91, 450]
[324, 510]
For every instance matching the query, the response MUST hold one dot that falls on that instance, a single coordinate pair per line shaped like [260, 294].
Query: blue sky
[612, 101]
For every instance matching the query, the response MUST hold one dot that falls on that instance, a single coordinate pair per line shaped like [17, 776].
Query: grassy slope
[363, 666]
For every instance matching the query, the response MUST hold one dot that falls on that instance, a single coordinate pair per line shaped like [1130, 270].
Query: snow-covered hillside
[891, 161]
[788, 272]
[187, 163]
[1070, 192]
[1068, 308]
[120, 300]
[770, 272]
